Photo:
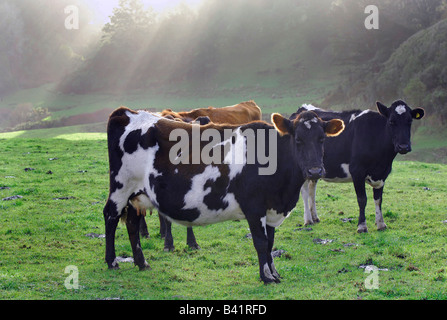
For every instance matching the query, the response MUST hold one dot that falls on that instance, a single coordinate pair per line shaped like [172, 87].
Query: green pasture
[63, 184]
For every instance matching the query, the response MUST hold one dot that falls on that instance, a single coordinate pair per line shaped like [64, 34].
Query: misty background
[191, 54]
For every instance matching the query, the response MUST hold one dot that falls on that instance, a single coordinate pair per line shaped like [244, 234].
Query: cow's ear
[383, 109]
[417, 113]
[334, 127]
[283, 126]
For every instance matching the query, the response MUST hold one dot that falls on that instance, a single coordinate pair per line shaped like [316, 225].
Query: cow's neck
[388, 146]
[293, 172]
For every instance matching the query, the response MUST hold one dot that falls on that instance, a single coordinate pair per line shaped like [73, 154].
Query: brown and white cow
[240, 113]
[221, 175]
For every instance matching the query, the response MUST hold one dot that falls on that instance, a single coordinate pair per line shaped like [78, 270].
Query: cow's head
[307, 133]
[172, 115]
[399, 119]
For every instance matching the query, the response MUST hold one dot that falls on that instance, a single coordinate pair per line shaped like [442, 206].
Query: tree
[129, 22]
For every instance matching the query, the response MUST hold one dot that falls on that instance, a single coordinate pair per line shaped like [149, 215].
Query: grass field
[64, 189]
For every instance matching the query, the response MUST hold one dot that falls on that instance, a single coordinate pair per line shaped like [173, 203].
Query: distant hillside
[416, 71]
[279, 53]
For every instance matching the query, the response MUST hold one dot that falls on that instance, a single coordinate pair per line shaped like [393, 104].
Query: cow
[240, 113]
[364, 152]
[145, 173]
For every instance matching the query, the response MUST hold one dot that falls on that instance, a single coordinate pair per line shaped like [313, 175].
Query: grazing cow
[364, 152]
[146, 171]
[241, 113]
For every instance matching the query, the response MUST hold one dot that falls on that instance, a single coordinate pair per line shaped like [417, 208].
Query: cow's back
[241, 113]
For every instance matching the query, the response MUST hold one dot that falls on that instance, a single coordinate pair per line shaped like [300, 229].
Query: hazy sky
[104, 8]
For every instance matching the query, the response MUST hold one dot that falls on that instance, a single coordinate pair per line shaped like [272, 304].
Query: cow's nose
[403, 148]
[315, 173]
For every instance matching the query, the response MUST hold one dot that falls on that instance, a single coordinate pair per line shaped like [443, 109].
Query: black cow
[364, 152]
[144, 175]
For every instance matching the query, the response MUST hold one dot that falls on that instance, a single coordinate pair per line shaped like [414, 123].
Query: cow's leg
[191, 239]
[162, 226]
[271, 240]
[111, 220]
[359, 185]
[259, 234]
[143, 228]
[305, 194]
[133, 228]
[312, 203]
[378, 202]
[169, 240]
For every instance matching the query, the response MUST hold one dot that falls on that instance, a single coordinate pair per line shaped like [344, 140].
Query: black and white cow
[143, 175]
[364, 152]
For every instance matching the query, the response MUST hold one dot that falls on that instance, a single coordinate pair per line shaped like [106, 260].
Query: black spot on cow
[148, 140]
[132, 141]
[214, 200]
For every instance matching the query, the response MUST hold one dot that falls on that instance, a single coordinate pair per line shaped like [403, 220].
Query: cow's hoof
[169, 248]
[145, 266]
[308, 222]
[381, 226]
[268, 281]
[362, 228]
[114, 265]
[194, 246]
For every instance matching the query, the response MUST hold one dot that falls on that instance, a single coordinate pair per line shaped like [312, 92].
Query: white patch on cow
[267, 272]
[308, 192]
[309, 107]
[346, 178]
[345, 167]
[378, 210]
[401, 109]
[379, 216]
[375, 184]
[236, 158]
[354, 116]
[133, 177]
[176, 171]
[308, 123]
[264, 225]
[312, 204]
[142, 120]
[195, 196]
[274, 218]
[305, 195]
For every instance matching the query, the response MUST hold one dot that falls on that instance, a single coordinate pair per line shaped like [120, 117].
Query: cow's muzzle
[315, 173]
[403, 148]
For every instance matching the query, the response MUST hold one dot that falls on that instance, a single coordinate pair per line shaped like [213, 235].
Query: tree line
[139, 49]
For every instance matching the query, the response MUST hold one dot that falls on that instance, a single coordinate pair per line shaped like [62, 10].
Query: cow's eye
[299, 141]
[321, 140]
[392, 123]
